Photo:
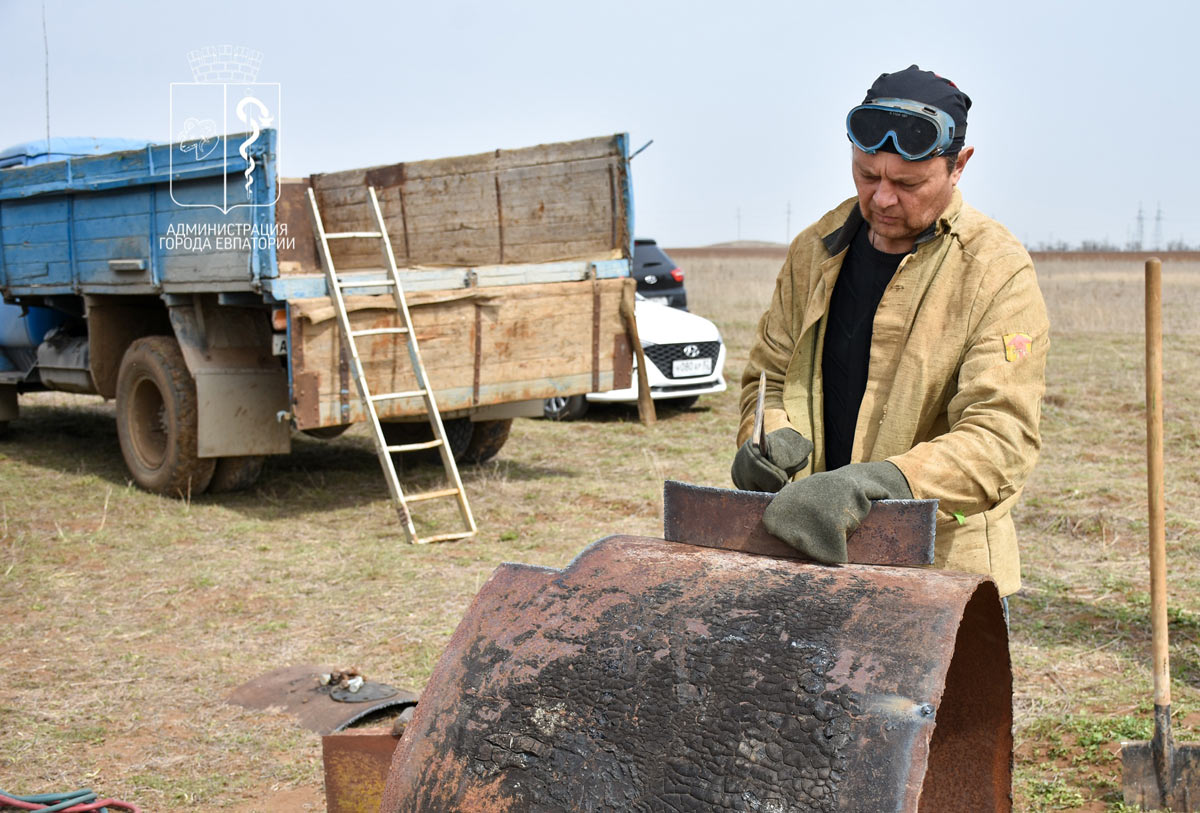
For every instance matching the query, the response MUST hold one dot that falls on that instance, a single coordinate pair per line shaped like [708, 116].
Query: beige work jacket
[956, 373]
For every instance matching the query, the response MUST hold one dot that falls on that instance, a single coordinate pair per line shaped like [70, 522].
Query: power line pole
[1158, 227]
[1141, 226]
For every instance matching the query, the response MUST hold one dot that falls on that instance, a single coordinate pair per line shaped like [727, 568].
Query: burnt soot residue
[678, 699]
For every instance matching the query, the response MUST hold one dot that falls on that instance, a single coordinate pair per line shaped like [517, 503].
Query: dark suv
[659, 279]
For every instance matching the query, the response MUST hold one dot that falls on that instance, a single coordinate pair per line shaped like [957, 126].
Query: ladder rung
[412, 447]
[345, 235]
[388, 396]
[444, 537]
[379, 331]
[370, 283]
[431, 495]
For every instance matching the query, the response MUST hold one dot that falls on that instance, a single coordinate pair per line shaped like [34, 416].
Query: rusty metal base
[648, 676]
[356, 767]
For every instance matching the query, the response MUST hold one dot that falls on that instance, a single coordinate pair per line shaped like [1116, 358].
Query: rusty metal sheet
[895, 532]
[297, 689]
[651, 676]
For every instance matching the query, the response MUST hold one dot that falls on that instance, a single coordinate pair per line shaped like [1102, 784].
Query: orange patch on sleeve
[1017, 346]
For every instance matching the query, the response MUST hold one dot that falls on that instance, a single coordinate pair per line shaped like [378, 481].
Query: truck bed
[110, 224]
[515, 263]
[107, 224]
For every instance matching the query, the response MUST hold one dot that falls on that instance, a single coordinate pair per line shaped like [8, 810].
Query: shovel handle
[1154, 474]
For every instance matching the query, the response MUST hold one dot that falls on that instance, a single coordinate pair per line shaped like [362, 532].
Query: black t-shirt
[864, 277]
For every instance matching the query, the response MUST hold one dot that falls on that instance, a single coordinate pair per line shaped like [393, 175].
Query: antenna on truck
[639, 149]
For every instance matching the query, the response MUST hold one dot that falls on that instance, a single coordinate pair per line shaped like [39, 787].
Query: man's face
[900, 199]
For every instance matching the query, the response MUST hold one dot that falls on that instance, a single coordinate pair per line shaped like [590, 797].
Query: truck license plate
[681, 368]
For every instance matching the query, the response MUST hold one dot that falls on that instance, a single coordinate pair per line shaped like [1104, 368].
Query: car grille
[663, 354]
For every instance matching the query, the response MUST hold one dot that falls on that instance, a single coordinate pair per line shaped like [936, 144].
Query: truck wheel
[156, 419]
[568, 408]
[487, 440]
[459, 432]
[327, 432]
[236, 473]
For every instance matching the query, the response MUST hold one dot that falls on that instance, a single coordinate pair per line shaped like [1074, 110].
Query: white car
[685, 359]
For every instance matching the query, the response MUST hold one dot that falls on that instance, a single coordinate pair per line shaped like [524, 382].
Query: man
[904, 348]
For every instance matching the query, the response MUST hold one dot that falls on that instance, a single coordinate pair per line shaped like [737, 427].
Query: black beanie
[925, 87]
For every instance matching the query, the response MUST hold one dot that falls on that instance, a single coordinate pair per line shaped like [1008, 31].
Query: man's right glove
[814, 515]
[770, 469]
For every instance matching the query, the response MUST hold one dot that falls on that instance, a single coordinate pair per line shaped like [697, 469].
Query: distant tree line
[1106, 246]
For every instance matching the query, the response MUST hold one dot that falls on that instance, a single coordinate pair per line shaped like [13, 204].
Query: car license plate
[682, 368]
[661, 300]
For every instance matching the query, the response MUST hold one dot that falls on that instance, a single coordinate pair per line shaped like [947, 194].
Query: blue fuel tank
[26, 330]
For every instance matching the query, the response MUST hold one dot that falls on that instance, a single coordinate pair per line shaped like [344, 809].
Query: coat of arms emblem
[224, 118]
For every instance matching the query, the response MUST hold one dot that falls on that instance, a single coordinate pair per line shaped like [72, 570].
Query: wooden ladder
[349, 336]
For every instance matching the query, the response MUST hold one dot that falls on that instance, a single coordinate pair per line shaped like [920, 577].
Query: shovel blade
[895, 532]
[1140, 784]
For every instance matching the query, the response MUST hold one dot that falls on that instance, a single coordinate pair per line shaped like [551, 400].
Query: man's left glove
[815, 514]
[771, 468]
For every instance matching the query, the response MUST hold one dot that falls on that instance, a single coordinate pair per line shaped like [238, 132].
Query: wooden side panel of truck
[514, 258]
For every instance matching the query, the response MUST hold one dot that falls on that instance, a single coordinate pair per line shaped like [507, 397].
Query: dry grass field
[125, 618]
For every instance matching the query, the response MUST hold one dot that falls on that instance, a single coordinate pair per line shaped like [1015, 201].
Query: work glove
[815, 514]
[771, 468]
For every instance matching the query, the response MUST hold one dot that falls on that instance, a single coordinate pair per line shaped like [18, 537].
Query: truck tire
[327, 432]
[487, 440]
[156, 419]
[236, 473]
[459, 432]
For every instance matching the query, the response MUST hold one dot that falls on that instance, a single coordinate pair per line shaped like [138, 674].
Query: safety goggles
[917, 130]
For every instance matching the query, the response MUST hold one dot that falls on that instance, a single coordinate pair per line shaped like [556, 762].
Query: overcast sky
[1083, 110]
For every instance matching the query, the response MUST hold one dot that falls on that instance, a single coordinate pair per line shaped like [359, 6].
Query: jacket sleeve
[993, 439]
[772, 352]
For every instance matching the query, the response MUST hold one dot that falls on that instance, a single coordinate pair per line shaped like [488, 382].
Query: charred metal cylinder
[648, 675]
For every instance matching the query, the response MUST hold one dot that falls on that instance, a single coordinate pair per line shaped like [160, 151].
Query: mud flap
[241, 389]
